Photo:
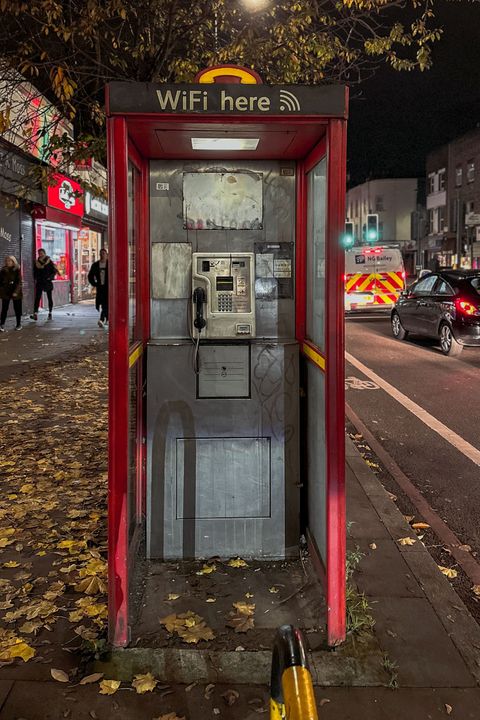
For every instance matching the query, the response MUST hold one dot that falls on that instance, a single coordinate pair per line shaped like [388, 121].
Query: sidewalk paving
[72, 328]
[424, 639]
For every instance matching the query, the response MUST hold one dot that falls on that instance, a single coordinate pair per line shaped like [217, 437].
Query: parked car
[443, 305]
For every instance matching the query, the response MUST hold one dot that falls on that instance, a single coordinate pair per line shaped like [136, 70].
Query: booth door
[323, 376]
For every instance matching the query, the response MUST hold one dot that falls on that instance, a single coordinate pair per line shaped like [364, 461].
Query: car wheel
[399, 332]
[447, 341]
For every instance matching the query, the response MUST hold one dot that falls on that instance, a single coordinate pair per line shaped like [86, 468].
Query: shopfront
[17, 190]
[87, 245]
[56, 231]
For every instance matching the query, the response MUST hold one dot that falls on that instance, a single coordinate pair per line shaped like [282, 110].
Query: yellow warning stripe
[366, 282]
[352, 280]
[314, 356]
[134, 355]
[397, 278]
[384, 299]
[387, 285]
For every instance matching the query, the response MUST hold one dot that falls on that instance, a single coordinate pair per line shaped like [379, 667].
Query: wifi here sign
[226, 99]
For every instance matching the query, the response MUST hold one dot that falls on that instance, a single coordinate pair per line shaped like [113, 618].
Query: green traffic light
[348, 240]
[372, 235]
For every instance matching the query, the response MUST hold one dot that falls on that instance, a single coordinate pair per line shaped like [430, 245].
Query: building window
[442, 218]
[469, 207]
[458, 176]
[431, 219]
[379, 203]
[441, 180]
[470, 171]
[431, 183]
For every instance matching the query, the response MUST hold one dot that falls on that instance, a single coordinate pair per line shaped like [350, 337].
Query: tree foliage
[69, 49]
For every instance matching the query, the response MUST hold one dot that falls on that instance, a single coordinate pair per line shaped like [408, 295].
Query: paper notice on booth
[264, 265]
[282, 268]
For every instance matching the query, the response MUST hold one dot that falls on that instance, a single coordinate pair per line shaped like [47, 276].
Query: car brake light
[466, 307]
[404, 274]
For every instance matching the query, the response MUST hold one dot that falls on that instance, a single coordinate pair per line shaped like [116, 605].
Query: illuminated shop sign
[95, 206]
[66, 195]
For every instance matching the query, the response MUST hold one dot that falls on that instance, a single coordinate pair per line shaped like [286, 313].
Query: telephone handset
[199, 298]
[223, 295]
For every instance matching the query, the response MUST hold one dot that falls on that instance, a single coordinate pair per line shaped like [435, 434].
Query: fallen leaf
[197, 631]
[391, 496]
[216, 711]
[230, 697]
[16, 648]
[208, 691]
[109, 687]
[59, 675]
[207, 569]
[237, 563]
[273, 589]
[88, 679]
[248, 595]
[476, 590]
[240, 623]
[420, 526]
[191, 686]
[211, 600]
[448, 708]
[451, 573]
[172, 596]
[144, 683]
[465, 548]
[170, 716]
[11, 564]
[324, 701]
[373, 546]
[244, 608]
[407, 541]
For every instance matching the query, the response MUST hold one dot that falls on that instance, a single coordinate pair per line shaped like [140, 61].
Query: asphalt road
[448, 389]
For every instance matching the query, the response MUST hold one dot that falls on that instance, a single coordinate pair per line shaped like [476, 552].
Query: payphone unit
[223, 296]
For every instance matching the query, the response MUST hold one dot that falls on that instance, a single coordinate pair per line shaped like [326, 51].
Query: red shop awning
[43, 212]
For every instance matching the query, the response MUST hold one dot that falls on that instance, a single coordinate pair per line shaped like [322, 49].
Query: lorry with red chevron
[374, 277]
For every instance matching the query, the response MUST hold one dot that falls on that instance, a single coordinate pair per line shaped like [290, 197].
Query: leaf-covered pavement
[53, 471]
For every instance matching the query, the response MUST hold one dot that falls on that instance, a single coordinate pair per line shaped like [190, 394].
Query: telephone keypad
[225, 302]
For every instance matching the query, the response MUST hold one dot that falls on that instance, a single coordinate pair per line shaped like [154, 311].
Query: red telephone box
[226, 280]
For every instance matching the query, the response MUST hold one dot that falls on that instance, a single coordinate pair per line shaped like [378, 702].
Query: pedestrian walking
[44, 272]
[98, 278]
[11, 289]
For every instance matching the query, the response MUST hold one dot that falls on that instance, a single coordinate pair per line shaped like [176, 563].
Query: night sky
[397, 118]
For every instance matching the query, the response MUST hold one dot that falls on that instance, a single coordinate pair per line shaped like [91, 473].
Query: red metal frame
[335, 384]
[121, 149]
[118, 384]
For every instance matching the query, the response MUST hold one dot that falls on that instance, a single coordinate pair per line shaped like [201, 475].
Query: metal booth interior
[226, 413]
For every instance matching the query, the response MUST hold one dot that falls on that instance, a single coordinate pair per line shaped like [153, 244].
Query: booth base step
[237, 603]
[346, 666]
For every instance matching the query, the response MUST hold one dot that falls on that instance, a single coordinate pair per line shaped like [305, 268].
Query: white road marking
[450, 436]
[356, 384]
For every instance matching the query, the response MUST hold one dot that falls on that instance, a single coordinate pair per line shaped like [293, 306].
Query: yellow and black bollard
[291, 687]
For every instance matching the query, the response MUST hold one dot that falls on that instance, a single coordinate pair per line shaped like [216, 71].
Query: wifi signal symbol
[288, 102]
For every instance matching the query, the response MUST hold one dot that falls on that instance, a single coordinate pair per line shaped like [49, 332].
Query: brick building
[453, 204]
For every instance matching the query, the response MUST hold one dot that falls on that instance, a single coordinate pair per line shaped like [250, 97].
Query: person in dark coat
[98, 278]
[44, 272]
[11, 289]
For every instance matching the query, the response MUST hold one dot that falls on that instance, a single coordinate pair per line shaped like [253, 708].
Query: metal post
[459, 231]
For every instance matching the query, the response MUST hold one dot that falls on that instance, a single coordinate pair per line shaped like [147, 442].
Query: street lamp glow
[255, 5]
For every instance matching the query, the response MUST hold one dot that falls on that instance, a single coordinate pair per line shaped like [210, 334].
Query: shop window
[431, 222]
[470, 171]
[442, 218]
[458, 176]
[55, 241]
[441, 180]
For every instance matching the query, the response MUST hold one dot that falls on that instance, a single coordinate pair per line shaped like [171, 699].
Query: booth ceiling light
[225, 143]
